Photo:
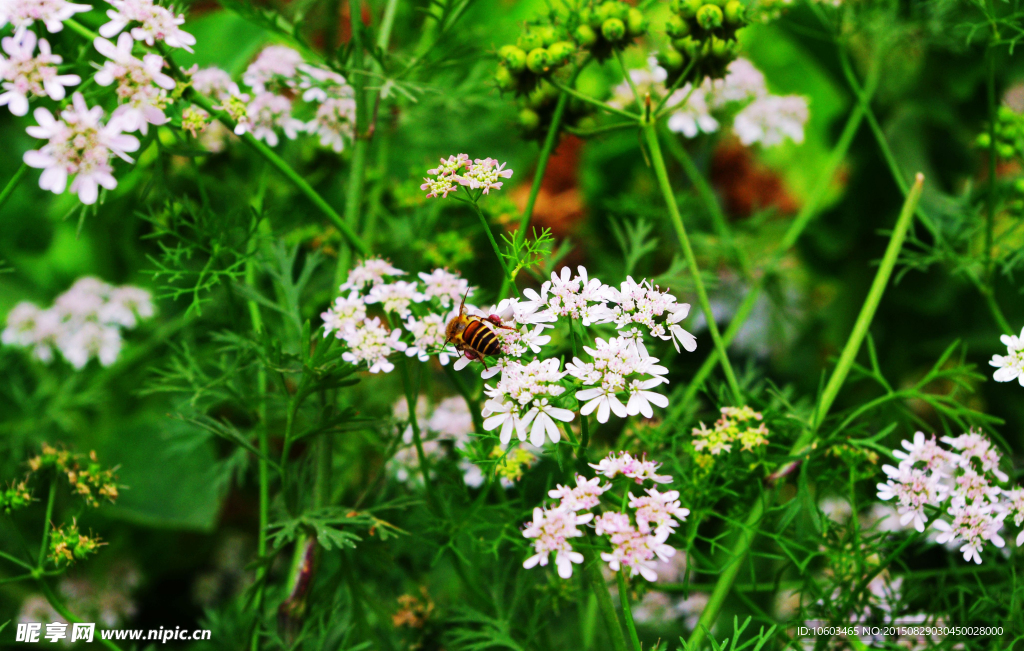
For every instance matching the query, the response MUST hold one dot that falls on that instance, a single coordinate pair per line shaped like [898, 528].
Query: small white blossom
[395, 297]
[484, 174]
[268, 112]
[334, 122]
[141, 86]
[214, 82]
[370, 342]
[543, 416]
[428, 337]
[638, 552]
[1010, 366]
[771, 120]
[274, 66]
[658, 509]
[974, 525]
[639, 470]
[26, 75]
[371, 271]
[154, 23]
[585, 495]
[52, 13]
[551, 530]
[343, 316]
[446, 287]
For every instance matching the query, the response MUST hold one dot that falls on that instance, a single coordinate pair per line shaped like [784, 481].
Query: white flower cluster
[758, 116]
[276, 75]
[423, 307]
[962, 483]
[1011, 365]
[83, 322]
[79, 145]
[634, 546]
[457, 171]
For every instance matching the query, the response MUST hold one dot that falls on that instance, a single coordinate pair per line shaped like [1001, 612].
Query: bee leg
[496, 320]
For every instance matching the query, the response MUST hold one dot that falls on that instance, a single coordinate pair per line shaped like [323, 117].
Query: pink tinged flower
[26, 75]
[276, 65]
[638, 552]
[551, 530]
[441, 186]
[659, 509]
[52, 13]
[611, 522]
[141, 85]
[484, 174]
[152, 23]
[334, 122]
[926, 451]
[913, 489]
[585, 495]
[78, 145]
[214, 82]
[370, 342]
[450, 166]
[267, 113]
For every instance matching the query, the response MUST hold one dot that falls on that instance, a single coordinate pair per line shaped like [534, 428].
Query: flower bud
[710, 17]
[529, 41]
[1005, 150]
[720, 49]
[636, 23]
[687, 45]
[513, 58]
[585, 35]
[983, 140]
[676, 27]
[503, 78]
[734, 13]
[686, 8]
[538, 60]
[560, 52]
[547, 33]
[670, 59]
[612, 9]
[528, 119]
[613, 29]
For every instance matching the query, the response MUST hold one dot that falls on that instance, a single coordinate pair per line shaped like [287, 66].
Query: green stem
[707, 196]
[838, 377]
[867, 313]
[538, 177]
[410, 400]
[13, 183]
[728, 574]
[46, 522]
[594, 102]
[17, 561]
[474, 406]
[627, 612]
[990, 217]
[629, 79]
[581, 452]
[63, 611]
[661, 173]
[494, 244]
[599, 589]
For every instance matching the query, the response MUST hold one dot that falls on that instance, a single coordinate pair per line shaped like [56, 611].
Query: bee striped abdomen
[481, 338]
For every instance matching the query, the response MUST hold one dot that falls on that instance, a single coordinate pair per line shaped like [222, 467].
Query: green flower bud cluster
[88, 479]
[15, 497]
[537, 107]
[539, 50]
[607, 26]
[702, 33]
[68, 545]
[1009, 132]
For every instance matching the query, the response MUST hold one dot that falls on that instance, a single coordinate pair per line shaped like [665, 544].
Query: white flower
[551, 530]
[154, 23]
[446, 287]
[343, 316]
[334, 122]
[638, 552]
[370, 342]
[52, 13]
[371, 271]
[742, 82]
[268, 112]
[214, 82]
[27, 75]
[1011, 365]
[125, 306]
[91, 339]
[428, 337]
[577, 297]
[771, 119]
[395, 297]
[275, 65]
[603, 401]
[585, 495]
[926, 451]
[913, 489]
[543, 417]
[639, 470]
[141, 86]
[452, 421]
[640, 398]
[484, 173]
[974, 525]
[506, 416]
[320, 84]
[659, 509]
[77, 145]
[31, 327]
[694, 117]
[974, 445]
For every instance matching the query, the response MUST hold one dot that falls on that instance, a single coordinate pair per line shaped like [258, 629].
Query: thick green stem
[658, 161]
[598, 587]
[627, 612]
[46, 521]
[63, 611]
[835, 383]
[12, 184]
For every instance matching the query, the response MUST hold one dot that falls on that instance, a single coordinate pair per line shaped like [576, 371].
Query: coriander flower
[443, 186]
[974, 445]
[616, 364]
[320, 84]
[639, 470]
[428, 336]
[344, 314]
[582, 497]
[694, 116]
[1011, 365]
[543, 417]
[450, 166]
[28, 75]
[334, 122]
[154, 23]
[637, 551]
[577, 297]
[446, 287]
[268, 112]
[551, 530]
[91, 340]
[395, 297]
[926, 451]
[771, 119]
[602, 400]
[371, 342]
[52, 13]
[511, 405]
[371, 271]
[141, 86]
[125, 306]
[214, 82]
[274, 66]
[1015, 507]
[78, 145]
[743, 82]
[659, 509]
[484, 174]
[28, 326]
[973, 524]
[640, 399]
[913, 489]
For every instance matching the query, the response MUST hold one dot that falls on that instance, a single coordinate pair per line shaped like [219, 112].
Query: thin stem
[691, 260]
[17, 561]
[629, 78]
[387, 21]
[990, 217]
[46, 521]
[867, 313]
[471, 401]
[63, 611]
[12, 184]
[594, 102]
[581, 452]
[410, 400]
[598, 587]
[284, 168]
[494, 244]
[627, 612]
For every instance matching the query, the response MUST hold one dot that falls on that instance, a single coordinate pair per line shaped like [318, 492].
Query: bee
[473, 335]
